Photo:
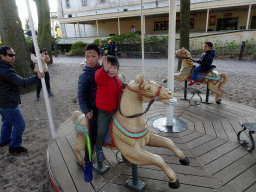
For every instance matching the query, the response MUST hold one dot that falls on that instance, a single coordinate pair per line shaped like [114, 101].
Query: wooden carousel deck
[218, 161]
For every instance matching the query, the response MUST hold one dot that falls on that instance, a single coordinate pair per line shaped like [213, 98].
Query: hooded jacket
[206, 59]
[87, 89]
[10, 82]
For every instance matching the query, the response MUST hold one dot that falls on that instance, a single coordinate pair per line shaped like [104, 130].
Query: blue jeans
[13, 126]
[195, 72]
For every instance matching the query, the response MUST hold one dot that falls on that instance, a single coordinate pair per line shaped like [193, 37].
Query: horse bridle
[154, 98]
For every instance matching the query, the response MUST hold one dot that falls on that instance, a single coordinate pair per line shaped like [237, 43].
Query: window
[67, 3]
[84, 2]
[227, 24]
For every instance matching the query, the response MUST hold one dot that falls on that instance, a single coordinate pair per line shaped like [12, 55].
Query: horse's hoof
[184, 161]
[165, 80]
[74, 100]
[219, 101]
[174, 185]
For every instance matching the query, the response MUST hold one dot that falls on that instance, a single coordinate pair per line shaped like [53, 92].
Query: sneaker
[38, 99]
[5, 143]
[191, 83]
[50, 95]
[18, 150]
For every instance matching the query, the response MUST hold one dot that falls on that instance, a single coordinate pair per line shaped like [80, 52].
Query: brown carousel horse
[130, 134]
[213, 79]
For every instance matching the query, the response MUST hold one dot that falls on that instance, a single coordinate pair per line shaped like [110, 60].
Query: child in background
[205, 62]
[108, 91]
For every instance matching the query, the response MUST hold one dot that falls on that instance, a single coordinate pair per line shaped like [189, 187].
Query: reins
[154, 98]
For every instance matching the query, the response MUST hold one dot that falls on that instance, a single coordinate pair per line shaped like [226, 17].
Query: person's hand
[40, 75]
[43, 54]
[106, 64]
[89, 115]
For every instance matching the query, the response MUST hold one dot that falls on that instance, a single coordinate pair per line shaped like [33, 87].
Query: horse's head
[148, 89]
[184, 54]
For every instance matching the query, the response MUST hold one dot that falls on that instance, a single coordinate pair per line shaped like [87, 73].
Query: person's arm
[102, 73]
[34, 60]
[23, 82]
[82, 96]
[47, 58]
[206, 60]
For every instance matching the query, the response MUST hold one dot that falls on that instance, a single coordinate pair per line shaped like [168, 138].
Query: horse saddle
[201, 74]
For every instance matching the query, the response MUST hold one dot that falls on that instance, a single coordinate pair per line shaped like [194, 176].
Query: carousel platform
[218, 161]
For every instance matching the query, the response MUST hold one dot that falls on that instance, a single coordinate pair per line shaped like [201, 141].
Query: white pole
[97, 26]
[41, 70]
[171, 56]
[118, 22]
[248, 17]
[207, 20]
[142, 38]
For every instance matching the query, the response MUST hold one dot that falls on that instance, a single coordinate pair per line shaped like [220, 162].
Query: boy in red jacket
[108, 91]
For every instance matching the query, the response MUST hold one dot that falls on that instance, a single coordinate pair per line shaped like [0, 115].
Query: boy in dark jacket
[87, 90]
[108, 91]
[13, 122]
[205, 62]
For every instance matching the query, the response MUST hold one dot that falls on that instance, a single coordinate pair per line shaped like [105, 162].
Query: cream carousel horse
[130, 135]
[213, 79]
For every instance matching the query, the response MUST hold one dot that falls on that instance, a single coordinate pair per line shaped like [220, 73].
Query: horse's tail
[225, 79]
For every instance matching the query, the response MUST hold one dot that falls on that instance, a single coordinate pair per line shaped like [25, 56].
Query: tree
[184, 25]
[27, 27]
[44, 25]
[12, 34]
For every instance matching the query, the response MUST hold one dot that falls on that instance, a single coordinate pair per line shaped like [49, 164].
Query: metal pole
[171, 56]
[41, 70]
[142, 37]
[134, 175]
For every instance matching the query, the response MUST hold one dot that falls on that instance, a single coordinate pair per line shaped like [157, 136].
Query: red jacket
[108, 91]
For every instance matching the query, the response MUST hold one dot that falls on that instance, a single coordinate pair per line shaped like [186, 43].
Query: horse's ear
[139, 78]
[145, 82]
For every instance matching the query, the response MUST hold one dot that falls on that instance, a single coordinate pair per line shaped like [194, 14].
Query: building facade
[84, 20]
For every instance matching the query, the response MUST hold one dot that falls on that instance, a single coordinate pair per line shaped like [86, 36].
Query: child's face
[112, 71]
[206, 47]
[92, 58]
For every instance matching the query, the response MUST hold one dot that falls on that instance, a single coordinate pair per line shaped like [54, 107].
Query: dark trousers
[47, 82]
[104, 119]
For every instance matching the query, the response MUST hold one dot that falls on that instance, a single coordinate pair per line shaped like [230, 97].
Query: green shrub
[77, 48]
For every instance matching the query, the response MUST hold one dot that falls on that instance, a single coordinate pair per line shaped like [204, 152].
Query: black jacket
[206, 59]
[10, 82]
[87, 89]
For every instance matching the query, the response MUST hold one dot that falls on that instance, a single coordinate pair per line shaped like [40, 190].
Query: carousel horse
[128, 131]
[213, 79]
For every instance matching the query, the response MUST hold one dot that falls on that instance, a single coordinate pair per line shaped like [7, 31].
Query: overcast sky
[22, 7]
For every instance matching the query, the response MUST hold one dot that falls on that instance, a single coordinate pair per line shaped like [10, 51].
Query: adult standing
[133, 29]
[44, 58]
[13, 122]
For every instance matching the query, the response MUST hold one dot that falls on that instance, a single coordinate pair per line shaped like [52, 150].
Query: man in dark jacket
[13, 122]
[205, 62]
